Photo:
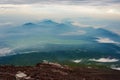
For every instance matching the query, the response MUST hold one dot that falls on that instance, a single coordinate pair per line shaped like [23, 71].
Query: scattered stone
[55, 71]
[20, 75]
[60, 72]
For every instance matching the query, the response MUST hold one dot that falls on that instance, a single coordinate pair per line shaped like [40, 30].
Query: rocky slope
[54, 71]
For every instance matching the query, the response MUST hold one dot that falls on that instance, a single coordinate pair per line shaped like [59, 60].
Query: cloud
[5, 24]
[116, 30]
[116, 68]
[105, 40]
[21, 11]
[76, 61]
[30, 52]
[78, 24]
[104, 60]
[80, 32]
[59, 11]
[5, 51]
[88, 2]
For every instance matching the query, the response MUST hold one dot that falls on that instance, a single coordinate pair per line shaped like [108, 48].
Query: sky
[94, 13]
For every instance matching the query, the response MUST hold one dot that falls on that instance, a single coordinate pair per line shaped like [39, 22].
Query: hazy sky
[96, 13]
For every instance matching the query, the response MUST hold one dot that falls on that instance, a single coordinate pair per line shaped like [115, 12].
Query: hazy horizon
[105, 13]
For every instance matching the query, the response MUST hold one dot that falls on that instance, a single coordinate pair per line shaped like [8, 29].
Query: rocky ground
[54, 71]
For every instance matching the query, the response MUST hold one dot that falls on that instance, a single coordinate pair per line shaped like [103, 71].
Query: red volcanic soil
[53, 71]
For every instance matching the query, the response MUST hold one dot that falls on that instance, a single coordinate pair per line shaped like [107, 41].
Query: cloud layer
[79, 32]
[90, 2]
[5, 51]
[105, 40]
[84, 13]
[104, 60]
[116, 68]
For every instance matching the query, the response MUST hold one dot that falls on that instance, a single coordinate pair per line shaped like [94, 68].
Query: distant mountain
[48, 22]
[104, 33]
[29, 24]
[45, 32]
[59, 30]
[54, 27]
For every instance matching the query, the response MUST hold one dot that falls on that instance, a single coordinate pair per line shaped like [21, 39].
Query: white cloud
[113, 11]
[105, 40]
[61, 11]
[30, 52]
[75, 2]
[80, 32]
[78, 24]
[76, 61]
[5, 24]
[105, 60]
[116, 68]
[5, 51]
